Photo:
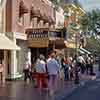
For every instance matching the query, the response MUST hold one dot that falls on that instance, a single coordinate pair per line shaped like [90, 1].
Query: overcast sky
[88, 5]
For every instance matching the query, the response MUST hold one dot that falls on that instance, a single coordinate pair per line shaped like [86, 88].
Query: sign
[21, 36]
[38, 42]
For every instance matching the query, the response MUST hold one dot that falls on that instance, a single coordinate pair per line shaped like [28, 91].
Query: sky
[88, 5]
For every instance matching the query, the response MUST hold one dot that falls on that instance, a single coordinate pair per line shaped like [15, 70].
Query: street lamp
[76, 65]
[76, 81]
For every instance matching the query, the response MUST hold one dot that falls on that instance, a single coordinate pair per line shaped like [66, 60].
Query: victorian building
[27, 23]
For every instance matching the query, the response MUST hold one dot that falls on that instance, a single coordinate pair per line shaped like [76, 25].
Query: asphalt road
[90, 91]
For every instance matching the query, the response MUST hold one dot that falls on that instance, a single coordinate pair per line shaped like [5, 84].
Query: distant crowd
[46, 72]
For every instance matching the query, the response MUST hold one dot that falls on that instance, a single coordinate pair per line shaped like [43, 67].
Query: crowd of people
[46, 72]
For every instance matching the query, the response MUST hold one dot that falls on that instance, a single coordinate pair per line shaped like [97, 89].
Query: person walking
[65, 66]
[91, 65]
[41, 72]
[27, 68]
[81, 63]
[53, 70]
[88, 61]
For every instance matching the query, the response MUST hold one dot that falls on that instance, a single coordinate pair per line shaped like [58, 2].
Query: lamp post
[76, 81]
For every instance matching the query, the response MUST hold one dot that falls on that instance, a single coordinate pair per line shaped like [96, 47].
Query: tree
[90, 25]
[56, 3]
[93, 45]
[90, 22]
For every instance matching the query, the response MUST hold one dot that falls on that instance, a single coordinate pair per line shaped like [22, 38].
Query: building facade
[25, 20]
[59, 18]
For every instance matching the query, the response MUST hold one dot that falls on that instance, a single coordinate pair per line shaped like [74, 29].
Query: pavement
[19, 90]
[90, 91]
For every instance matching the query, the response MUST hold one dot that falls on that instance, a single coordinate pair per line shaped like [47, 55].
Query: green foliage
[56, 3]
[93, 44]
[73, 25]
[90, 22]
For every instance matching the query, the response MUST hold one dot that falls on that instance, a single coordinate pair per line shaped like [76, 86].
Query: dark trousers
[26, 74]
[87, 68]
[91, 70]
[82, 67]
[66, 74]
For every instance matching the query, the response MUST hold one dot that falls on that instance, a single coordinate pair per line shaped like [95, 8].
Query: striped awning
[85, 51]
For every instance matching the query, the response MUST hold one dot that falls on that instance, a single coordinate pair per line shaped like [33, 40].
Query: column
[13, 65]
[35, 22]
[1, 20]
[29, 55]
[5, 66]
[40, 24]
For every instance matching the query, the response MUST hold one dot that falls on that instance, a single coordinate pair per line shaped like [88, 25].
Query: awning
[80, 51]
[84, 50]
[7, 44]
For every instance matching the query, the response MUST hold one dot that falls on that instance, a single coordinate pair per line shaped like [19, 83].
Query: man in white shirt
[81, 63]
[27, 69]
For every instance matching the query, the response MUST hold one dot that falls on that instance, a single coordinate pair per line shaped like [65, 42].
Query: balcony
[38, 38]
[56, 38]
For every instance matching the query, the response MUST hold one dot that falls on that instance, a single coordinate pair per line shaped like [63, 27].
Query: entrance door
[35, 52]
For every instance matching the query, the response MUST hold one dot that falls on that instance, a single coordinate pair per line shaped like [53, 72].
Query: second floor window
[22, 11]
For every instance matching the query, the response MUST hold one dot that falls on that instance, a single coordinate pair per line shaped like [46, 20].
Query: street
[91, 91]
[19, 90]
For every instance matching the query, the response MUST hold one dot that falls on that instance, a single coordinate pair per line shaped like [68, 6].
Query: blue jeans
[66, 73]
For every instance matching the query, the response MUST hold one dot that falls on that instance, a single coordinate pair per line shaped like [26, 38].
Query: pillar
[13, 65]
[46, 25]
[35, 22]
[14, 74]
[40, 25]
[5, 66]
